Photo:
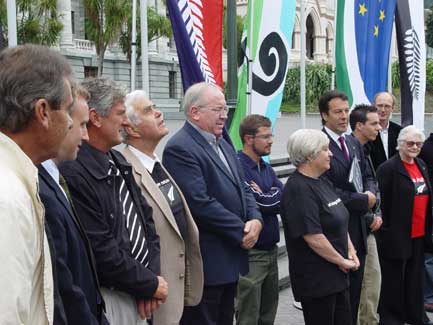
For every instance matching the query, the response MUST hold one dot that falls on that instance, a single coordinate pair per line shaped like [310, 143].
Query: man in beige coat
[35, 103]
[181, 262]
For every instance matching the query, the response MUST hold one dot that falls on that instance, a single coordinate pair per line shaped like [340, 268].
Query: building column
[64, 12]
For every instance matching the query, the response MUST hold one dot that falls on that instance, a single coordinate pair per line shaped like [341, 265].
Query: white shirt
[26, 280]
[334, 136]
[148, 162]
[53, 170]
[384, 137]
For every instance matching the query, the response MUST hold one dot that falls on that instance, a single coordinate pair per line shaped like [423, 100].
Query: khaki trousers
[370, 292]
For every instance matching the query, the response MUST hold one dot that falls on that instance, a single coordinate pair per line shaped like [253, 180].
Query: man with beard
[258, 290]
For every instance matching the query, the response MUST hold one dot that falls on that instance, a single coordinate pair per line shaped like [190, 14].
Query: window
[73, 22]
[172, 84]
[90, 72]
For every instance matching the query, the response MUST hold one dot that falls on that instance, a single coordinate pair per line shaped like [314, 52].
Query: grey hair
[28, 73]
[104, 94]
[408, 130]
[304, 144]
[131, 100]
[194, 95]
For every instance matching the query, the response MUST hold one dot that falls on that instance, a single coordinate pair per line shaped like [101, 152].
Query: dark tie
[344, 148]
[65, 188]
[136, 232]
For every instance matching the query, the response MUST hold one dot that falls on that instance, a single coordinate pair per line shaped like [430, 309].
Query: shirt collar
[148, 162]
[249, 162]
[209, 137]
[334, 136]
[52, 169]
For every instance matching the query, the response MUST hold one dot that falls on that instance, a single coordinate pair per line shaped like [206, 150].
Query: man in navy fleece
[258, 290]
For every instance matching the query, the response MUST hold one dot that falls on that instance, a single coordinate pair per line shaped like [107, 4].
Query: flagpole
[303, 53]
[144, 47]
[334, 46]
[133, 43]
[249, 58]
[12, 22]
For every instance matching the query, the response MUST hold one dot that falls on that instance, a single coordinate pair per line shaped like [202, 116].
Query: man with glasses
[384, 147]
[181, 263]
[207, 170]
[258, 290]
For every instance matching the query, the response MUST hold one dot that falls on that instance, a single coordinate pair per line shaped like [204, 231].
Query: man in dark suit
[75, 271]
[358, 199]
[384, 147]
[116, 218]
[206, 168]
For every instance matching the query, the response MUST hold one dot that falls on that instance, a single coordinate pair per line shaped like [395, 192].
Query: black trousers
[355, 288]
[329, 310]
[401, 297]
[216, 307]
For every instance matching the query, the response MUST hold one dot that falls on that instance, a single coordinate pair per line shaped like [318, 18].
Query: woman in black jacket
[406, 230]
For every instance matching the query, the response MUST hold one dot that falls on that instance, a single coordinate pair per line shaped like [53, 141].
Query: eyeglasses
[218, 109]
[412, 143]
[384, 106]
[264, 136]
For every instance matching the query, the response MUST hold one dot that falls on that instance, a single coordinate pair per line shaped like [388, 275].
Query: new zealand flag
[197, 30]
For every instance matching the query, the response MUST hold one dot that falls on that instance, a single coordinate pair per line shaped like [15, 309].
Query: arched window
[310, 38]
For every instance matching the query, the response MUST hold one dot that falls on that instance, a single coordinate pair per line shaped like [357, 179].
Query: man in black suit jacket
[384, 147]
[334, 110]
[115, 216]
[80, 300]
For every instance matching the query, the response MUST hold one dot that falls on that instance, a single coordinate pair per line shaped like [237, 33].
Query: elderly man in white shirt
[181, 262]
[35, 99]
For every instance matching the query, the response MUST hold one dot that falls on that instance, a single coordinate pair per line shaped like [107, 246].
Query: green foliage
[104, 22]
[429, 28]
[395, 75]
[157, 26]
[37, 22]
[429, 75]
[317, 80]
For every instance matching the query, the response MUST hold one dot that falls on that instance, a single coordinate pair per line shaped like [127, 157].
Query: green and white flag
[268, 48]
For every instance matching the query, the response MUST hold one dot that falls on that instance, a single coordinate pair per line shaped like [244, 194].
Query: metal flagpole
[144, 47]
[334, 46]
[303, 53]
[249, 57]
[12, 22]
[133, 43]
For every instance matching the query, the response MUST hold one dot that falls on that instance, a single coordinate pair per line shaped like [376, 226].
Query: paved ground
[287, 314]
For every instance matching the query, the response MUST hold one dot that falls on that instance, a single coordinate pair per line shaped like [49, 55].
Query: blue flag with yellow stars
[364, 30]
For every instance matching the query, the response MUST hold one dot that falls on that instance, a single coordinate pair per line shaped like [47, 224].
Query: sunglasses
[413, 143]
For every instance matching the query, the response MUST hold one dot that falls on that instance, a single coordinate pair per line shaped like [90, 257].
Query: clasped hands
[145, 308]
[351, 263]
[252, 231]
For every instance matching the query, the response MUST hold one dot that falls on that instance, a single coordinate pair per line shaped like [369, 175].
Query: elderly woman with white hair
[406, 230]
[316, 229]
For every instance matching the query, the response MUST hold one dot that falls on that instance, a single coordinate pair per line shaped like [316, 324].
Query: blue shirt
[268, 200]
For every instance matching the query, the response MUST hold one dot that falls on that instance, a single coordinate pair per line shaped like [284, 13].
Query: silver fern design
[413, 61]
[192, 16]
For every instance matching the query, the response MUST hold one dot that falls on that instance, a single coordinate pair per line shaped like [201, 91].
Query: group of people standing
[357, 215]
[97, 229]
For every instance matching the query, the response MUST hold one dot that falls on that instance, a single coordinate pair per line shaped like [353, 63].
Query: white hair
[406, 132]
[304, 144]
[131, 100]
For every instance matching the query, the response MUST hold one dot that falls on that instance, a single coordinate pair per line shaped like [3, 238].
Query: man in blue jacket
[258, 290]
[206, 168]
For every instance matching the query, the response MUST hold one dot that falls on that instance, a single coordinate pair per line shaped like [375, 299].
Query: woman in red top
[406, 230]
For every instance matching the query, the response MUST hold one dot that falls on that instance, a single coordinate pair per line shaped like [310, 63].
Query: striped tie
[133, 222]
